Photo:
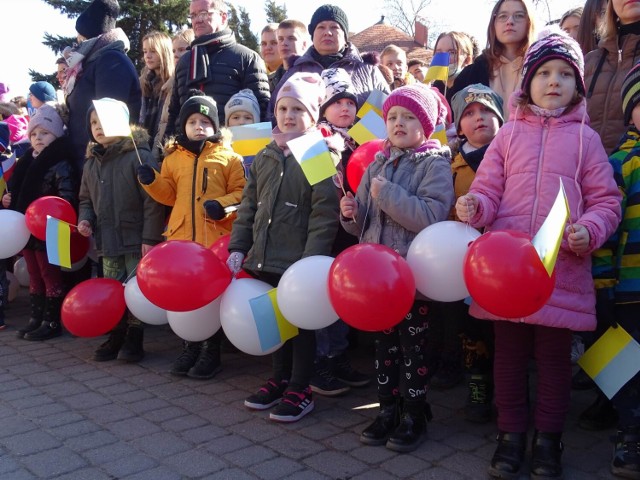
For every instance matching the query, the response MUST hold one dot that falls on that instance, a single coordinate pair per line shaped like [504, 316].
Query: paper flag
[248, 140]
[3, 182]
[312, 153]
[439, 68]
[8, 165]
[547, 240]
[440, 133]
[114, 117]
[58, 241]
[612, 361]
[273, 328]
[374, 102]
[370, 127]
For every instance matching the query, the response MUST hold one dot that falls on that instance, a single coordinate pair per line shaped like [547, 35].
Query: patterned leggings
[401, 367]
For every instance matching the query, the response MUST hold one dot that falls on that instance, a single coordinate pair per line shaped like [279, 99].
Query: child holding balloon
[46, 169]
[547, 140]
[404, 190]
[283, 218]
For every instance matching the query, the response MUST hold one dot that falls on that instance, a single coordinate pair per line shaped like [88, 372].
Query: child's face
[292, 116]
[418, 71]
[151, 57]
[98, 134]
[479, 124]
[179, 49]
[341, 113]
[40, 139]
[396, 62]
[635, 116]
[240, 117]
[403, 128]
[553, 85]
[198, 127]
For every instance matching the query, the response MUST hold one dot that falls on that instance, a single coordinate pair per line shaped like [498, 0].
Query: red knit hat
[419, 100]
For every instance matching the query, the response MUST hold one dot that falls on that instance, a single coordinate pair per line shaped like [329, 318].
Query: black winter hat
[98, 18]
[199, 104]
[333, 13]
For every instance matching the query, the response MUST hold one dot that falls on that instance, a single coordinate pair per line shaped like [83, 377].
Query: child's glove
[234, 262]
[146, 174]
[214, 210]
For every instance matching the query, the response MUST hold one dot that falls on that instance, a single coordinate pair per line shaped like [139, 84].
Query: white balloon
[21, 272]
[237, 318]
[14, 233]
[141, 307]
[196, 325]
[14, 286]
[436, 257]
[303, 293]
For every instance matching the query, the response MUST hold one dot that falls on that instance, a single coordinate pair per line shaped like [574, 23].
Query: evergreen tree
[241, 26]
[275, 13]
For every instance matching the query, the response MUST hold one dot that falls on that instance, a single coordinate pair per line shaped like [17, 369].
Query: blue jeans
[331, 341]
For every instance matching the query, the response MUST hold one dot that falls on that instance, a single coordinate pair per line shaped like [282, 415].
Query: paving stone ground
[64, 416]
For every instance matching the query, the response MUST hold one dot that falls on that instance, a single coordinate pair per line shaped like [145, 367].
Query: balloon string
[130, 276]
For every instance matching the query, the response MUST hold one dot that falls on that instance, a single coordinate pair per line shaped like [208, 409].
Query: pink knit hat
[47, 117]
[418, 99]
[307, 88]
[4, 93]
[18, 125]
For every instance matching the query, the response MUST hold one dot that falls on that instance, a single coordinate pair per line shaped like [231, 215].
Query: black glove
[214, 210]
[146, 174]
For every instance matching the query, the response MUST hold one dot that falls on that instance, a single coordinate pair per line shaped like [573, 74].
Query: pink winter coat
[516, 193]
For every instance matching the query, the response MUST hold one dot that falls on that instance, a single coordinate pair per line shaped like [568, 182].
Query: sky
[26, 21]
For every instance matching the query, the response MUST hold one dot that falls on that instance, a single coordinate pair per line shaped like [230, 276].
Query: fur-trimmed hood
[223, 137]
[139, 134]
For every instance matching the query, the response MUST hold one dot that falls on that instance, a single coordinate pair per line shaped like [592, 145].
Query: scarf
[543, 112]
[326, 60]
[201, 62]
[473, 156]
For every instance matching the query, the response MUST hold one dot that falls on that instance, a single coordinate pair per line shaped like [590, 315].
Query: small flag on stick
[370, 127]
[248, 140]
[58, 241]
[312, 153]
[374, 102]
[439, 68]
[272, 327]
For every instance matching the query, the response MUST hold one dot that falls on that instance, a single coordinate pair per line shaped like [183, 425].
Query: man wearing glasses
[216, 64]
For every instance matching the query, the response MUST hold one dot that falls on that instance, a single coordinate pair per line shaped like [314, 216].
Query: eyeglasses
[517, 17]
[201, 16]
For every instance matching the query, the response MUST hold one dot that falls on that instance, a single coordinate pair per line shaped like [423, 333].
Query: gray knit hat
[246, 101]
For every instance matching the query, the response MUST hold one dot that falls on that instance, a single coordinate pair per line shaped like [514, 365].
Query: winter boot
[478, 406]
[545, 459]
[109, 349]
[131, 350]
[411, 431]
[50, 326]
[385, 423]
[340, 367]
[509, 455]
[187, 359]
[324, 383]
[626, 453]
[35, 319]
[208, 363]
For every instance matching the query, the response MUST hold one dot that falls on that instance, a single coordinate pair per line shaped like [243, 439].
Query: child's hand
[466, 207]
[376, 185]
[84, 228]
[146, 249]
[578, 238]
[348, 206]
[234, 262]
[6, 200]
[146, 174]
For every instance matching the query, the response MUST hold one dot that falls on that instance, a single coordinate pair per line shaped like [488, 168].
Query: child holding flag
[242, 109]
[283, 218]
[515, 186]
[125, 221]
[404, 190]
[199, 156]
[45, 169]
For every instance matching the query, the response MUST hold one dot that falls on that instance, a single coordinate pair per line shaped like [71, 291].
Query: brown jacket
[605, 69]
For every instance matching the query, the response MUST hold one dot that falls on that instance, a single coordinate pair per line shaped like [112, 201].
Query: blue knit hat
[5, 135]
[43, 91]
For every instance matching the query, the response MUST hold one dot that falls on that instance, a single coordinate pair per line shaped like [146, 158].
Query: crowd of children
[510, 152]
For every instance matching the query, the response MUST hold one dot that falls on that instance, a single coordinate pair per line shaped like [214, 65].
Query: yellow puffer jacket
[187, 180]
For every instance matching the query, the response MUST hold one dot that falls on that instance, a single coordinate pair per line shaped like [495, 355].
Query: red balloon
[220, 247]
[93, 307]
[79, 246]
[56, 207]
[360, 160]
[505, 275]
[371, 287]
[181, 275]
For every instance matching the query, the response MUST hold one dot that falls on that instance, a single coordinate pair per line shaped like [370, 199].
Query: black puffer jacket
[231, 68]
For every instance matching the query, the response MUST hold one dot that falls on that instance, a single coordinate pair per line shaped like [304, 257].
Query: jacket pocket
[175, 224]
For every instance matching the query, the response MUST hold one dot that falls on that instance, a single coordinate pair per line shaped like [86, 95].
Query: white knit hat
[245, 101]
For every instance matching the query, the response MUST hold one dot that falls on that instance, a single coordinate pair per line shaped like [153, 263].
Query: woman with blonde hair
[159, 67]
[509, 34]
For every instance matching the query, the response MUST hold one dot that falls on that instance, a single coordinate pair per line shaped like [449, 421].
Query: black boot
[50, 326]
[208, 363]
[411, 431]
[626, 453]
[480, 392]
[545, 459]
[131, 350]
[186, 359]
[340, 367]
[109, 349]
[385, 423]
[509, 455]
[600, 415]
[37, 312]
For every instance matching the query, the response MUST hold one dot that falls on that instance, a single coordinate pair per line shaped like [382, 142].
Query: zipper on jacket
[193, 198]
[619, 55]
[205, 180]
[534, 210]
